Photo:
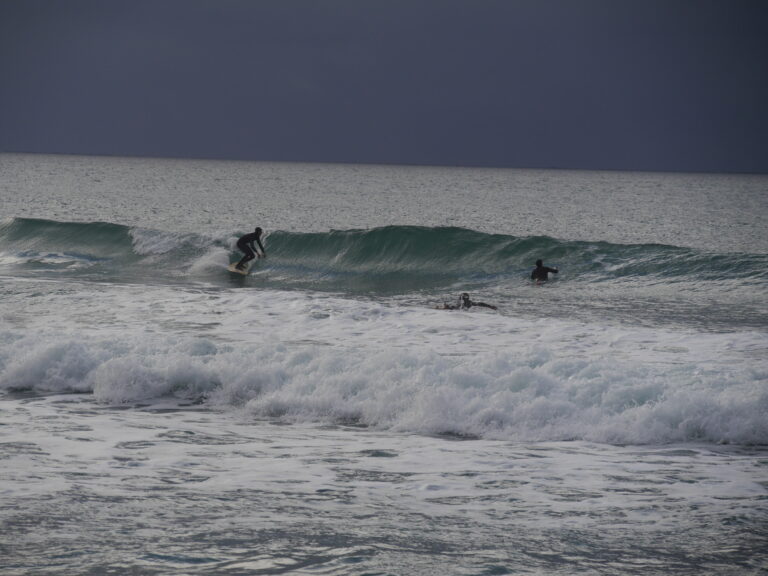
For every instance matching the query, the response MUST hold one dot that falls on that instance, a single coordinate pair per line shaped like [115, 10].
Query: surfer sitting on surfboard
[465, 304]
[541, 272]
[245, 244]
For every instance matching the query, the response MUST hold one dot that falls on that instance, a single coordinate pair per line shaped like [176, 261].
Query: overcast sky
[591, 84]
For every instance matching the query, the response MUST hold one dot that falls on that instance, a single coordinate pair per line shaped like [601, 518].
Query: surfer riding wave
[245, 244]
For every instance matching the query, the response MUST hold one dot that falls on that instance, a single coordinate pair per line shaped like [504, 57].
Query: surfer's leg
[249, 255]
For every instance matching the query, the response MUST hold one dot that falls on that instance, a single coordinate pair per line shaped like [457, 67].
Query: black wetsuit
[466, 304]
[245, 244]
[540, 272]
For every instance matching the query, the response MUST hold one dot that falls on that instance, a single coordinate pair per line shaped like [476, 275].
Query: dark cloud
[597, 84]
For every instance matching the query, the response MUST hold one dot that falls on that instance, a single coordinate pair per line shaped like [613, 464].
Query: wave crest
[390, 259]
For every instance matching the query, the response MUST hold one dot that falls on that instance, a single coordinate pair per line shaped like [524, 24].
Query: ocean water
[323, 415]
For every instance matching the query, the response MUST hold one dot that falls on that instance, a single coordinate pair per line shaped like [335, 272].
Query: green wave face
[455, 250]
[388, 260]
[90, 239]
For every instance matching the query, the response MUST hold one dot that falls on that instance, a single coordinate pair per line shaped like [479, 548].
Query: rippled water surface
[178, 490]
[326, 415]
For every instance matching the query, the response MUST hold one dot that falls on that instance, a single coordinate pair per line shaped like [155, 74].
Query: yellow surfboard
[243, 272]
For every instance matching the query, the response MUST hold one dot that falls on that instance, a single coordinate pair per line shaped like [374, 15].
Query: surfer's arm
[252, 246]
[261, 246]
[484, 305]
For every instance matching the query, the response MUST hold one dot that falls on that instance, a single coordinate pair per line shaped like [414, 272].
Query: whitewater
[324, 414]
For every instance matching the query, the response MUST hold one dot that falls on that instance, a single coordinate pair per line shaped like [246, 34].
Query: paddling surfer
[465, 304]
[541, 272]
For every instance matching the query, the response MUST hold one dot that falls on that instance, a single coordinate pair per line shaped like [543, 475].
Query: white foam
[313, 358]
[214, 258]
[51, 258]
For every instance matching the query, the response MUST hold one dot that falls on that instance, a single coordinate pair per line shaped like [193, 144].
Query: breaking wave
[387, 260]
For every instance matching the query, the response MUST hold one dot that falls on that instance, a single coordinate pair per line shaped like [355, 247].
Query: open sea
[160, 415]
